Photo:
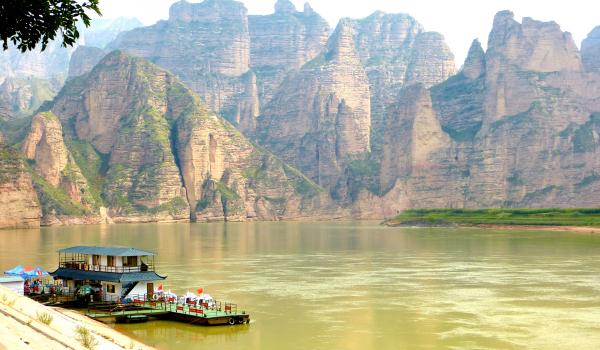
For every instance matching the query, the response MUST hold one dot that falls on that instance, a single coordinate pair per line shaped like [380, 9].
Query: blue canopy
[16, 271]
[27, 272]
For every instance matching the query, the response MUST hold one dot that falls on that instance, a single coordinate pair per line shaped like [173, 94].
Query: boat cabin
[107, 273]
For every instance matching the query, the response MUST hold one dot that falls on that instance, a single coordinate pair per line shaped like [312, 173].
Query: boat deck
[220, 314]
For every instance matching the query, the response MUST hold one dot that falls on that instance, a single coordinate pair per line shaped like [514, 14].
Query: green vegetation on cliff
[10, 164]
[55, 200]
[535, 217]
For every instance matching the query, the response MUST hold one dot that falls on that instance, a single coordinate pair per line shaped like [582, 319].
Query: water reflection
[348, 285]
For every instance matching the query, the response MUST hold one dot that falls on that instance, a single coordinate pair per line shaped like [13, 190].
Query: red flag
[160, 287]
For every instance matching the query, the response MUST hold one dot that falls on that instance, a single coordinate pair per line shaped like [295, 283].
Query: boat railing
[204, 309]
[84, 266]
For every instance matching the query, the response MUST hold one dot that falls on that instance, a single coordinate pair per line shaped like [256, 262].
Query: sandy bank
[21, 327]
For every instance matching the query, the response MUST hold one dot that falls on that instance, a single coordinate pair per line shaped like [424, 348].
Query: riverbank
[585, 220]
[26, 324]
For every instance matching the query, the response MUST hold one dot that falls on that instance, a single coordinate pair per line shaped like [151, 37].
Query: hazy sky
[460, 21]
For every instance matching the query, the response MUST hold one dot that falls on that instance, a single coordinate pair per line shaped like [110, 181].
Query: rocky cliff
[19, 206]
[206, 45]
[519, 127]
[319, 120]
[131, 137]
[397, 51]
[328, 119]
[284, 41]
[84, 59]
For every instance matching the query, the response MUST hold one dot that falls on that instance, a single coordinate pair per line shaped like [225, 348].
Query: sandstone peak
[341, 44]
[532, 45]
[590, 50]
[474, 65]
[285, 7]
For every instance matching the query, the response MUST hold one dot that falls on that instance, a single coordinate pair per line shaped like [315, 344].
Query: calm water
[359, 285]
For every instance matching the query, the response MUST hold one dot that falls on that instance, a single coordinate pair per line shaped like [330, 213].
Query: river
[358, 285]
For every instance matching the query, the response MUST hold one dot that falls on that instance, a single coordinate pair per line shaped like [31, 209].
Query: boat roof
[114, 251]
[107, 276]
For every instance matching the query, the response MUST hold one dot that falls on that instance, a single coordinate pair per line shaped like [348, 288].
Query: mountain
[284, 41]
[215, 115]
[232, 60]
[590, 51]
[21, 97]
[517, 127]
[327, 119]
[28, 79]
[129, 142]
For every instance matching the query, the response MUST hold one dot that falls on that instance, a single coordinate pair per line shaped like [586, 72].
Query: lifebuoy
[155, 297]
[241, 320]
[231, 321]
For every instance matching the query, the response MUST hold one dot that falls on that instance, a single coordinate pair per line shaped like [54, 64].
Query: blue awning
[106, 276]
[113, 251]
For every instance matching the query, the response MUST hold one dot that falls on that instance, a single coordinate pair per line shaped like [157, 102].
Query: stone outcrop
[319, 120]
[84, 59]
[19, 207]
[284, 41]
[397, 51]
[532, 45]
[55, 165]
[590, 51]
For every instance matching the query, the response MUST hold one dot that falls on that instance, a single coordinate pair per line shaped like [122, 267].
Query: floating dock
[142, 310]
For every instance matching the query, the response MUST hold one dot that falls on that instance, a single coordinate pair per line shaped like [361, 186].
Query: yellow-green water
[359, 285]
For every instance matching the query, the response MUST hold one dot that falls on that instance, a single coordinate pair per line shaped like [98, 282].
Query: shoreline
[503, 227]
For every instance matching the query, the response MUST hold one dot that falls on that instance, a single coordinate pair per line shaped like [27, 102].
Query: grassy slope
[541, 217]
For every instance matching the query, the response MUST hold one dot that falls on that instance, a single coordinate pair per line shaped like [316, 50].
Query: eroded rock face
[397, 51]
[590, 51]
[519, 130]
[284, 41]
[46, 147]
[84, 59]
[162, 156]
[19, 207]
[532, 45]
[320, 117]
[124, 110]
[206, 45]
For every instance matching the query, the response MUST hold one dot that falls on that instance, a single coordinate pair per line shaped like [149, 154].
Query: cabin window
[110, 288]
[95, 259]
[110, 261]
[130, 261]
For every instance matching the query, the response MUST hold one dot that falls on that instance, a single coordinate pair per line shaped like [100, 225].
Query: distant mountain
[34, 77]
